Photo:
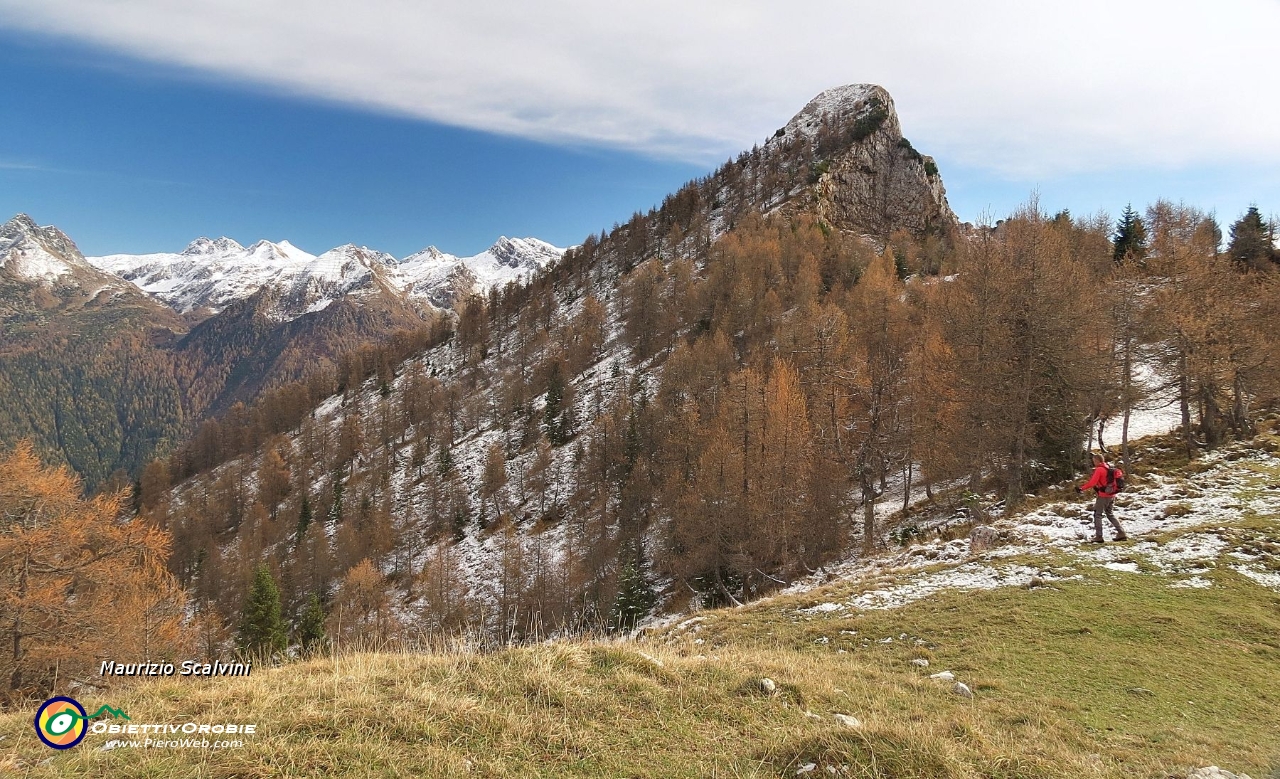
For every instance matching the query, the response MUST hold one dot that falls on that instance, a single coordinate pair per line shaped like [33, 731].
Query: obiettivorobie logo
[61, 722]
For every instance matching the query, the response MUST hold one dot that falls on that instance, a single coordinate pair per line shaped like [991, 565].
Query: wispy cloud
[121, 175]
[1023, 88]
[8, 165]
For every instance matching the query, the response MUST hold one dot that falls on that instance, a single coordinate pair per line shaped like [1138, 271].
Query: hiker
[1105, 486]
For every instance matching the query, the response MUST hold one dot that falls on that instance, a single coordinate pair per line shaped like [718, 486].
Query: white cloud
[1003, 85]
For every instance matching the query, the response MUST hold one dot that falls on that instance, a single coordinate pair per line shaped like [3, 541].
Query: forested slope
[707, 402]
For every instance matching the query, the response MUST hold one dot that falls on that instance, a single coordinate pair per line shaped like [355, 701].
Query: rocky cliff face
[866, 177]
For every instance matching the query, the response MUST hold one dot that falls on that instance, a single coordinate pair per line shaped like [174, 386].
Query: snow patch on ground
[1193, 583]
[1208, 505]
[970, 576]
[1268, 579]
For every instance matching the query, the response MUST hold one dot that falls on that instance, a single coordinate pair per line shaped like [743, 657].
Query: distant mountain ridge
[212, 273]
[106, 360]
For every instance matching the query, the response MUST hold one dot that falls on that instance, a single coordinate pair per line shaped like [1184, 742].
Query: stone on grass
[1214, 772]
[962, 690]
[982, 538]
[921, 662]
[847, 720]
[945, 676]
[767, 686]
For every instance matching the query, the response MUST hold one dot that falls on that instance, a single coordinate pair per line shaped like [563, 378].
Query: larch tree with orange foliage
[78, 585]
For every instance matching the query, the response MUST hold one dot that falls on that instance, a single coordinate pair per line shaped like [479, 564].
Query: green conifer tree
[900, 265]
[262, 628]
[1252, 241]
[304, 517]
[1131, 236]
[311, 635]
[339, 489]
[635, 598]
[552, 413]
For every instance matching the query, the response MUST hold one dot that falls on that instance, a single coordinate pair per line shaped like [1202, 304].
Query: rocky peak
[866, 177]
[839, 106]
[363, 255]
[32, 252]
[523, 253]
[20, 223]
[203, 247]
[53, 240]
[427, 254]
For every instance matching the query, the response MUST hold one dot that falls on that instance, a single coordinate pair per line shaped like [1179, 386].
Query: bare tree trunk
[1240, 407]
[906, 486]
[1126, 399]
[868, 517]
[1184, 405]
[15, 680]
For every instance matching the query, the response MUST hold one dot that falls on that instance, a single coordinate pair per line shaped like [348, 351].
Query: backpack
[1115, 479]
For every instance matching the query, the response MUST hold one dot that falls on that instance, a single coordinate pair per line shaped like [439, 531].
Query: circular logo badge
[61, 722]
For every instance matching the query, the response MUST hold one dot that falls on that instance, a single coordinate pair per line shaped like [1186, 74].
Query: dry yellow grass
[680, 709]
[1113, 676]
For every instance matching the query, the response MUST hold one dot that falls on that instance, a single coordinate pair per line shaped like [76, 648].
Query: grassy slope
[1113, 675]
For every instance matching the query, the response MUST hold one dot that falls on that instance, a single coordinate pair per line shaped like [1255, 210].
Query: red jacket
[1099, 481]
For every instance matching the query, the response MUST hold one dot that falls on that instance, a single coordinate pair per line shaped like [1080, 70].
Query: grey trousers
[1102, 506]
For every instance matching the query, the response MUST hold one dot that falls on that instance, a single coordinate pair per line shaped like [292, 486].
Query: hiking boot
[1098, 540]
[1121, 536]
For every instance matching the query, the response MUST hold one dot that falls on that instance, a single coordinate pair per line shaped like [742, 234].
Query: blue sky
[130, 157]
[139, 125]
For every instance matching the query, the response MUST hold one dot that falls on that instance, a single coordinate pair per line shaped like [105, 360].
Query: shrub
[909, 151]
[870, 121]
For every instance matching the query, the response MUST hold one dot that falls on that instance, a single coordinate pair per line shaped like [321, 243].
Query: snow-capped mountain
[209, 274]
[29, 252]
[443, 278]
[47, 257]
